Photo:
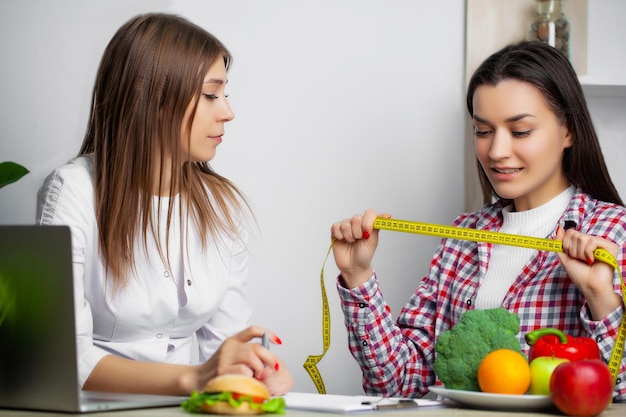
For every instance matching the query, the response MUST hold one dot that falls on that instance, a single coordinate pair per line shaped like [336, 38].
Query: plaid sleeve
[396, 356]
[609, 221]
[390, 357]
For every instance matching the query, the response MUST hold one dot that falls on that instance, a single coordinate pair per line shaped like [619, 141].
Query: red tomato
[248, 397]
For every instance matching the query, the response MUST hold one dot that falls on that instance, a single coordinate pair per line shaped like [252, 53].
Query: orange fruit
[504, 371]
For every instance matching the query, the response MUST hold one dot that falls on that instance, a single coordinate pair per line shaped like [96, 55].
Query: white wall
[341, 105]
[607, 64]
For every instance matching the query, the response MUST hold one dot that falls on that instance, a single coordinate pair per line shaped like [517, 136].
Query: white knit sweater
[507, 262]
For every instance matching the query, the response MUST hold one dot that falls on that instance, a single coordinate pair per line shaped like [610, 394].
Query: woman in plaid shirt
[543, 175]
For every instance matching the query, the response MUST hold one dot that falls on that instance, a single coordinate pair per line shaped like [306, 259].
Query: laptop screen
[38, 364]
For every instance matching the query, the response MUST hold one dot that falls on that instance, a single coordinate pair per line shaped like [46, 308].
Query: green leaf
[11, 172]
[275, 405]
[194, 402]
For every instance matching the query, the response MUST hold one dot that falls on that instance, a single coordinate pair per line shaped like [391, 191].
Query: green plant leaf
[11, 172]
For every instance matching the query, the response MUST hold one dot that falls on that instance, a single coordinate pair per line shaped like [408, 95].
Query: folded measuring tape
[477, 236]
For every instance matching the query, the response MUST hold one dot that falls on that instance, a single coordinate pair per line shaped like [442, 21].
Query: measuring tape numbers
[455, 232]
[312, 360]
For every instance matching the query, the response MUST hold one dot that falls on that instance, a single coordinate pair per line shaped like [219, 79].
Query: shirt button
[598, 339]
[166, 274]
[569, 224]
[364, 343]
[362, 305]
[159, 335]
[469, 302]
[189, 282]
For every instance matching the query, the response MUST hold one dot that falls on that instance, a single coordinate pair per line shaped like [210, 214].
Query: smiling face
[211, 113]
[519, 142]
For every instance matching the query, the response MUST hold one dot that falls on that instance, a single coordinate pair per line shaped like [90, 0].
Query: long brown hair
[151, 70]
[551, 72]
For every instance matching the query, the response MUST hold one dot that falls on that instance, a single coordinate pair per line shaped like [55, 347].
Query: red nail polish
[277, 340]
[366, 235]
[260, 377]
[590, 261]
[276, 366]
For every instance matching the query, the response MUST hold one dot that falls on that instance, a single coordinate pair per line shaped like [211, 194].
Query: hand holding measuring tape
[354, 248]
[442, 231]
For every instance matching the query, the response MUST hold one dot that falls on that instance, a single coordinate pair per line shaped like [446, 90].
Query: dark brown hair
[150, 72]
[552, 73]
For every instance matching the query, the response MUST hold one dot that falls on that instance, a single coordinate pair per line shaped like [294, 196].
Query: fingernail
[590, 261]
[366, 235]
[260, 377]
[558, 229]
[277, 340]
[276, 366]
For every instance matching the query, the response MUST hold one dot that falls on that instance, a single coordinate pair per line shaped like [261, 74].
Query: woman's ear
[568, 139]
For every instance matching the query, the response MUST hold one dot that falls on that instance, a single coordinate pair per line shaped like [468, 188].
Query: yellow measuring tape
[465, 234]
[312, 360]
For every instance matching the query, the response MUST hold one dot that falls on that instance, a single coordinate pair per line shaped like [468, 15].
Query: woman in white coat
[159, 238]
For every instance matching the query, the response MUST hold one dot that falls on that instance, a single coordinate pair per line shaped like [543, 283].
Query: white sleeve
[234, 312]
[66, 198]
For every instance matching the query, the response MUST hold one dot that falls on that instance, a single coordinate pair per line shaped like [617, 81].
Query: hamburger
[234, 394]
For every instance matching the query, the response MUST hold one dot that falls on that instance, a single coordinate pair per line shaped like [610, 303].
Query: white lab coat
[158, 314]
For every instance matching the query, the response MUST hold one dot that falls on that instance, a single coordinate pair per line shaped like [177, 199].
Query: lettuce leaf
[196, 399]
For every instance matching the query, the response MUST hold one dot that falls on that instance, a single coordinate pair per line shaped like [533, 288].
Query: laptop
[38, 361]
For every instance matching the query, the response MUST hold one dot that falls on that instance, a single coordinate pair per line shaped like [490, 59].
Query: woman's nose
[500, 145]
[226, 113]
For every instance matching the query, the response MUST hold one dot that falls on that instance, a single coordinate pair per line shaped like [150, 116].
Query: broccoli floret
[460, 350]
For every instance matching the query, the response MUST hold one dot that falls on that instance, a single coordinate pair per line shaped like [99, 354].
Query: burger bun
[238, 384]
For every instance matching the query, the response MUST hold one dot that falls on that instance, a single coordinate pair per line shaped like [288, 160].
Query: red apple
[582, 388]
[541, 369]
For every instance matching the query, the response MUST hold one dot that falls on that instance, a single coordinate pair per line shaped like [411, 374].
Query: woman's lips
[505, 173]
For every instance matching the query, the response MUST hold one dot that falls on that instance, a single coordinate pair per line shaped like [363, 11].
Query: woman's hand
[354, 247]
[237, 355]
[593, 278]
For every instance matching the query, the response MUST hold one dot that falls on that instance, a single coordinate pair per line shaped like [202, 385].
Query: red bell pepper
[553, 342]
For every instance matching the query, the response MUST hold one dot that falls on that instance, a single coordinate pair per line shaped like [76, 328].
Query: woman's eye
[481, 133]
[209, 96]
[522, 134]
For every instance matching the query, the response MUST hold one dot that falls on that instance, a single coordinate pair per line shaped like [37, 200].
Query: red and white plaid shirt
[396, 356]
